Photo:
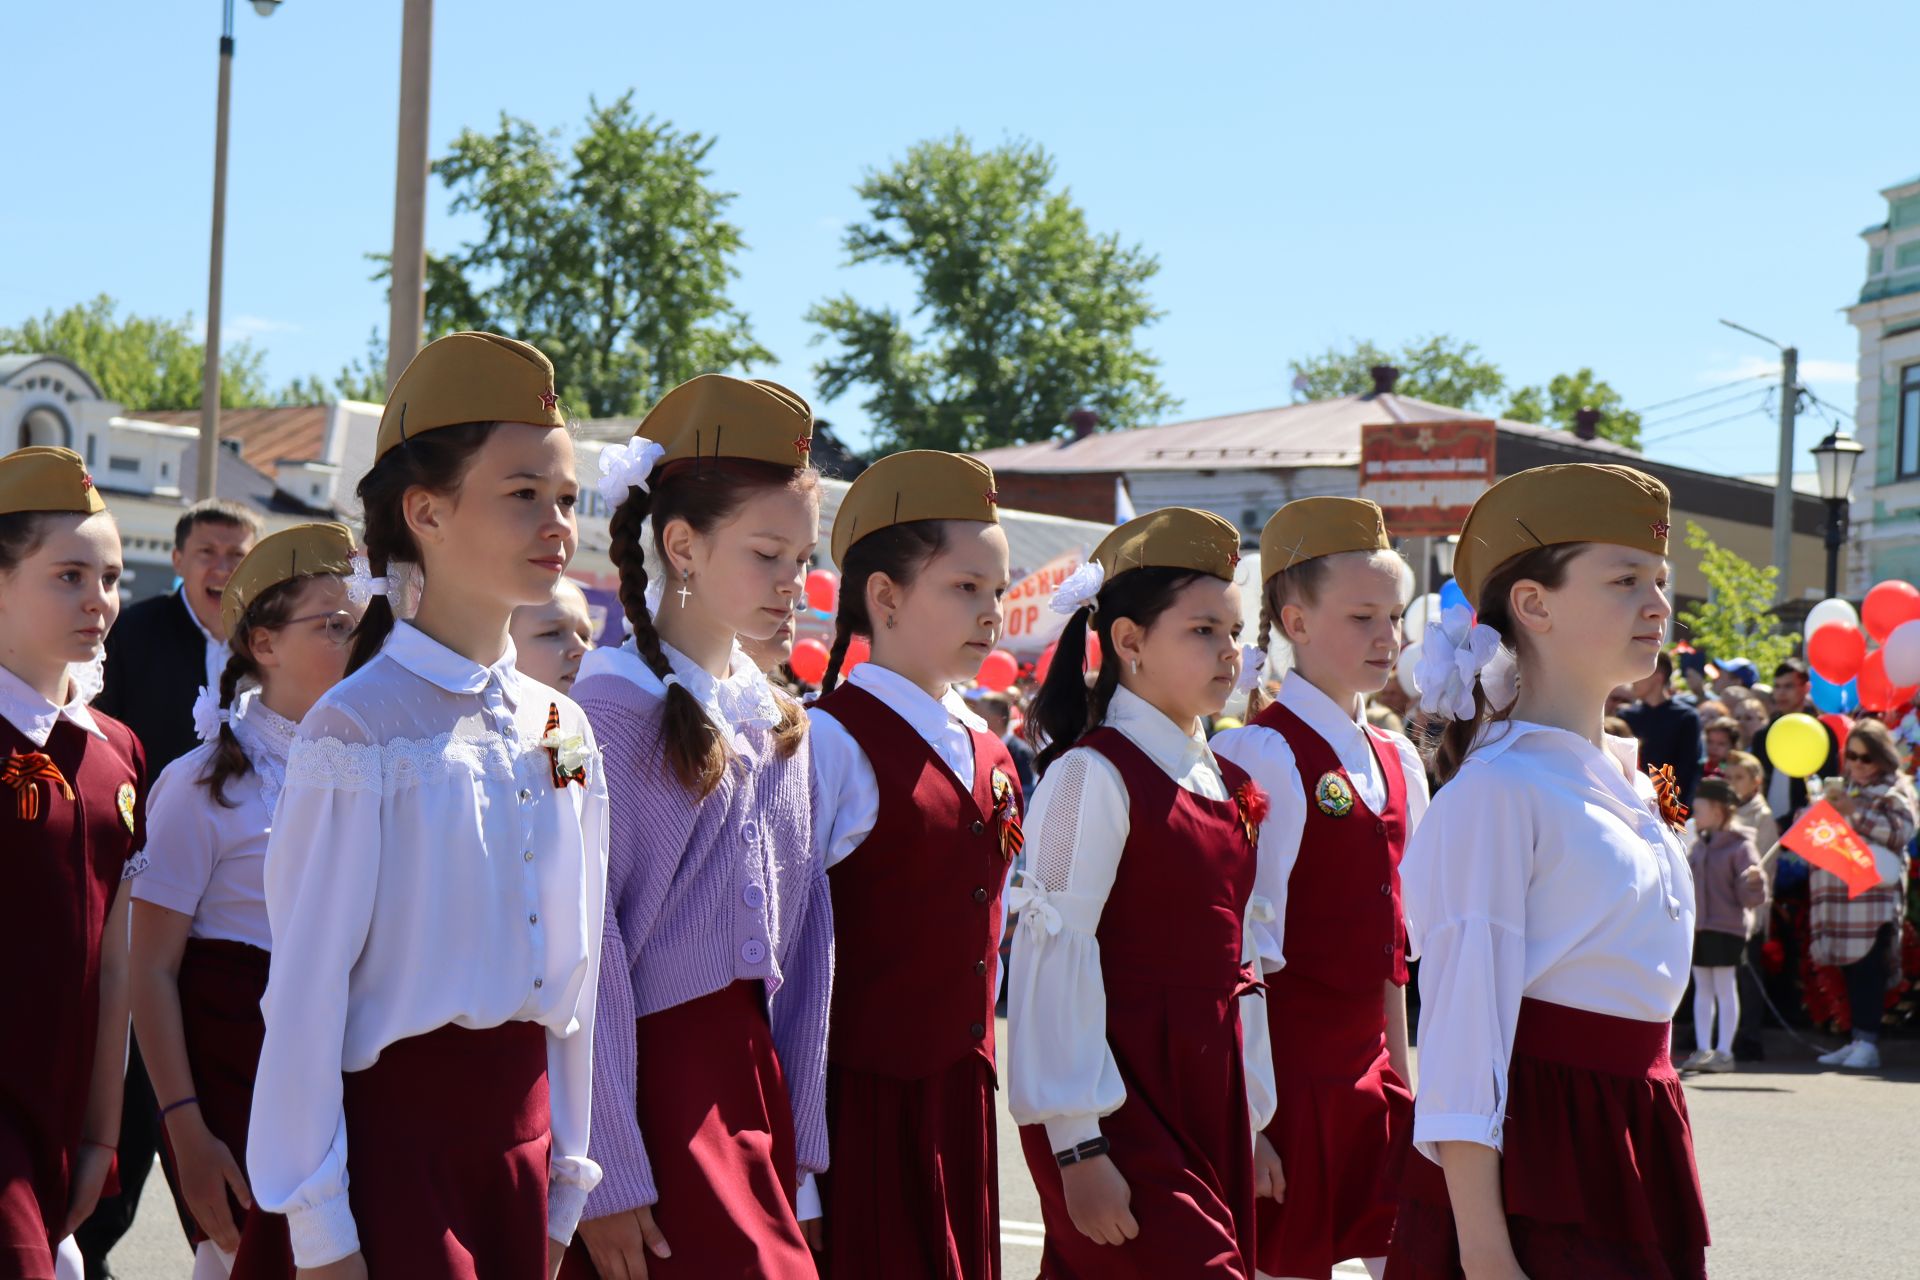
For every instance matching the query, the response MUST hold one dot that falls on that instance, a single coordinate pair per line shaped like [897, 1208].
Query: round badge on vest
[1333, 794]
[123, 800]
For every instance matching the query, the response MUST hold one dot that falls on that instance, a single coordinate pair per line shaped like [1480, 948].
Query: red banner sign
[1031, 625]
[1825, 839]
[1426, 475]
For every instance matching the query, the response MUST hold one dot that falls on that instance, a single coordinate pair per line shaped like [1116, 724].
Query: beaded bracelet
[1085, 1151]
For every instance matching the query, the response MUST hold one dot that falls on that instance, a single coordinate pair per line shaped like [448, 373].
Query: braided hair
[900, 551]
[271, 608]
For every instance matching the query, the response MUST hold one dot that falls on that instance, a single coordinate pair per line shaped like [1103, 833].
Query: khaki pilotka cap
[919, 484]
[42, 478]
[1308, 528]
[280, 557]
[1171, 538]
[469, 377]
[1551, 506]
[719, 416]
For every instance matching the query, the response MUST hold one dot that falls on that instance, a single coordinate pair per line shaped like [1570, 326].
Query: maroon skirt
[915, 1186]
[1342, 1129]
[33, 1196]
[713, 1107]
[1597, 1173]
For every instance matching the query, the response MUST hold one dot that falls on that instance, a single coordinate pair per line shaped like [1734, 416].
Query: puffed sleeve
[1269, 761]
[322, 867]
[1263, 1092]
[799, 1010]
[571, 1173]
[1465, 877]
[181, 840]
[1061, 1071]
[845, 793]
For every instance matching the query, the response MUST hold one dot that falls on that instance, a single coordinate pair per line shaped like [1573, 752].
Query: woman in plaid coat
[1861, 935]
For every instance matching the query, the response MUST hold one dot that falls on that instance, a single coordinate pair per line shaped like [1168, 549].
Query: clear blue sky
[1564, 185]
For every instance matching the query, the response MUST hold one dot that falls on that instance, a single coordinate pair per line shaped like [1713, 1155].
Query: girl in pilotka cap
[72, 791]
[1140, 1094]
[1552, 908]
[710, 1056]
[200, 933]
[917, 809]
[1345, 798]
[435, 879]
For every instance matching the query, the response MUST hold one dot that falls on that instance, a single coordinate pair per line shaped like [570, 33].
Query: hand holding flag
[1825, 839]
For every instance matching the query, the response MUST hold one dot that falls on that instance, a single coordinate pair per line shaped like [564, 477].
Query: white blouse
[1269, 761]
[1061, 1071]
[205, 859]
[424, 870]
[1543, 870]
[846, 795]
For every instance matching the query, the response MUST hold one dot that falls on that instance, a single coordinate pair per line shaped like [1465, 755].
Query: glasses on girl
[339, 628]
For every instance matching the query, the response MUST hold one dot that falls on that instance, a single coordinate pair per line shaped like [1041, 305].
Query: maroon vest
[1177, 910]
[916, 908]
[1345, 927]
[61, 860]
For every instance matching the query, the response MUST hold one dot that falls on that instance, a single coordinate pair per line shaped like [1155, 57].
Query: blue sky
[1564, 185]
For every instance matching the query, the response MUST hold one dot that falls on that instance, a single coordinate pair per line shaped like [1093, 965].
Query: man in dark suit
[159, 654]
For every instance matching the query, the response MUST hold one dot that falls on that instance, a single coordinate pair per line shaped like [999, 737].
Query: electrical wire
[1695, 412]
[1703, 426]
[1695, 395]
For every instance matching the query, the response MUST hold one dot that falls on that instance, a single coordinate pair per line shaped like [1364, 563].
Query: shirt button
[752, 951]
[534, 918]
[525, 795]
[1386, 890]
[1386, 948]
[1380, 828]
[979, 1029]
[979, 895]
[978, 826]
[754, 896]
[979, 968]
[528, 855]
[539, 983]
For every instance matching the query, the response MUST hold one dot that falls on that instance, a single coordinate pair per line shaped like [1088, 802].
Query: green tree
[1023, 312]
[613, 256]
[1737, 620]
[143, 362]
[1438, 369]
[1558, 402]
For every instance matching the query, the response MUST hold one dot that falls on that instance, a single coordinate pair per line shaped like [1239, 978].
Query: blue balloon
[1835, 698]
[1451, 595]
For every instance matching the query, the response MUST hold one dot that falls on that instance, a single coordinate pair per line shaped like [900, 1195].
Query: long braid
[845, 622]
[229, 757]
[1257, 698]
[1060, 708]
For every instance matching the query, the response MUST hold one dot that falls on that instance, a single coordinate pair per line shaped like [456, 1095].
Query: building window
[166, 469]
[124, 464]
[1908, 460]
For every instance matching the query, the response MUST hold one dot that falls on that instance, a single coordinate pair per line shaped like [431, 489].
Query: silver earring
[1136, 666]
[889, 622]
[685, 591]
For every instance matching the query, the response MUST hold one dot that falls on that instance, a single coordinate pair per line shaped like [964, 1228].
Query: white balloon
[1902, 654]
[1422, 611]
[1834, 610]
[1410, 658]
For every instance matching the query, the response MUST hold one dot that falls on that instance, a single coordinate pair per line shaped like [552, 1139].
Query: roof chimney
[1083, 422]
[1384, 376]
[1586, 423]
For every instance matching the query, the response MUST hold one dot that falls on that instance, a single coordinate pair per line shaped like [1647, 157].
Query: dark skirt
[915, 1187]
[33, 1182]
[718, 1124]
[1597, 1174]
[1342, 1128]
[1715, 950]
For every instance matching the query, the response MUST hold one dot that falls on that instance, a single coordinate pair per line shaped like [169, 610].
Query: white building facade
[1886, 505]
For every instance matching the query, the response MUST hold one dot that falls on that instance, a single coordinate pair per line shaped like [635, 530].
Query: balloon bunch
[1848, 673]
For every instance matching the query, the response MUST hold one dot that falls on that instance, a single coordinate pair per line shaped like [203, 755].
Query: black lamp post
[1836, 456]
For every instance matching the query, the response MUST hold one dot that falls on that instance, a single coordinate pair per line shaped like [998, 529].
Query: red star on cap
[803, 444]
[1660, 528]
[993, 497]
[1233, 561]
[549, 399]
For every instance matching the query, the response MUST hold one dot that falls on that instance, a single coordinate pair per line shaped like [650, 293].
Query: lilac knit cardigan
[700, 894]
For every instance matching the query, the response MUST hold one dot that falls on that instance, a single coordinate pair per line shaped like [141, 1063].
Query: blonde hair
[1745, 761]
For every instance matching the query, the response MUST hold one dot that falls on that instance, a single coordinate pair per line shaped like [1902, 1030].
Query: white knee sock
[1726, 994]
[210, 1262]
[1702, 1007]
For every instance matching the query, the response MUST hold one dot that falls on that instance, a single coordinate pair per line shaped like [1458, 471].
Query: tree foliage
[1023, 312]
[1438, 369]
[1558, 402]
[613, 255]
[142, 362]
[1737, 620]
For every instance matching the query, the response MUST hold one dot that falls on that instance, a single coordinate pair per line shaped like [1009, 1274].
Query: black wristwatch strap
[1085, 1151]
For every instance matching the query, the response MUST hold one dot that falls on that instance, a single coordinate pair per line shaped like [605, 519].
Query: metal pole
[1783, 488]
[210, 378]
[408, 313]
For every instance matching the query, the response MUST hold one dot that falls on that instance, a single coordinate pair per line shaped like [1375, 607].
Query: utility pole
[209, 456]
[408, 306]
[1783, 484]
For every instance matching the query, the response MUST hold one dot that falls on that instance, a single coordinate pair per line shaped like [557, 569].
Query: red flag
[1825, 839]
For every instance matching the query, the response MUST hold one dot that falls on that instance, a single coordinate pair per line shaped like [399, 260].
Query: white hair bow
[209, 715]
[627, 466]
[362, 586]
[1456, 654]
[1079, 589]
[1252, 660]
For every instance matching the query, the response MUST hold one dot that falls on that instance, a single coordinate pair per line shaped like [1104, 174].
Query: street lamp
[210, 376]
[1444, 550]
[1836, 457]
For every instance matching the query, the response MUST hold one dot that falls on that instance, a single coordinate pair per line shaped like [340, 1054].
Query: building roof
[296, 433]
[241, 481]
[13, 364]
[1318, 433]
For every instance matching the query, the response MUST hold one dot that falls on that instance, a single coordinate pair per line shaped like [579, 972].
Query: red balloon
[1840, 725]
[1877, 693]
[1887, 606]
[1837, 652]
[809, 661]
[1093, 652]
[858, 651]
[998, 672]
[1044, 663]
[823, 590]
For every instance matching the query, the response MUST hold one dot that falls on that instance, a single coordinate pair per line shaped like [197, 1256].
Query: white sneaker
[1864, 1056]
[1699, 1060]
[1838, 1056]
[1718, 1062]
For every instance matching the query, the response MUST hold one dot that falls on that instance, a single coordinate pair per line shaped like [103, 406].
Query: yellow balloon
[1225, 723]
[1798, 745]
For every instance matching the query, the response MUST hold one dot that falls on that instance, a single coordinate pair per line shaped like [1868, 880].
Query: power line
[1695, 395]
[1708, 407]
[1687, 431]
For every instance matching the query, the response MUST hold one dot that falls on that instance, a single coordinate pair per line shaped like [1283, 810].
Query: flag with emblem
[1825, 839]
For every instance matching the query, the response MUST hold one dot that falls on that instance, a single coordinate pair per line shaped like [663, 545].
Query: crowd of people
[460, 947]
